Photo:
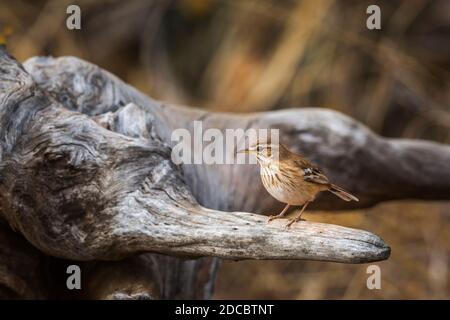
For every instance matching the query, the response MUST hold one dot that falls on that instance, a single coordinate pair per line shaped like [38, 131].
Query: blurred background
[244, 56]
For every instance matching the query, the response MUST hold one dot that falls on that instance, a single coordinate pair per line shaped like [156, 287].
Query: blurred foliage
[250, 55]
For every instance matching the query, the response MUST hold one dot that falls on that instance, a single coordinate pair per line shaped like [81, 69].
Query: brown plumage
[292, 179]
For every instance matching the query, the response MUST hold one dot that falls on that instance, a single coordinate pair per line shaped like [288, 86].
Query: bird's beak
[245, 151]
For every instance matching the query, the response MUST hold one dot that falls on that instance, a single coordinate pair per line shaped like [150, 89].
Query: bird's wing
[314, 174]
[311, 172]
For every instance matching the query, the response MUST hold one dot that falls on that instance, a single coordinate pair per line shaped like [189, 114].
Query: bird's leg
[297, 218]
[280, 215]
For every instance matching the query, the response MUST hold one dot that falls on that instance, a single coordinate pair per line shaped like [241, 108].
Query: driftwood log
[104, 188]
[79, 191]
[374, 168]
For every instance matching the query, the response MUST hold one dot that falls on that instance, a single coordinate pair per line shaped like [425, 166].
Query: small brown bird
[292, 179]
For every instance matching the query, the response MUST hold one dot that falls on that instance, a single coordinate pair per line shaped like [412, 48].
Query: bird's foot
[292, 221]
[274, 217]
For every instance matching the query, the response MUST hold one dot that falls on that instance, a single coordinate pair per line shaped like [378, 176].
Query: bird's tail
[341, 193]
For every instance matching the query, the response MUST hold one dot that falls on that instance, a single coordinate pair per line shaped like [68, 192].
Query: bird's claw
[274, 217]
[292, 221]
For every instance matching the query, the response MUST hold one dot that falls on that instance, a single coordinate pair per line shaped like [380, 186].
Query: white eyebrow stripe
[263, 145]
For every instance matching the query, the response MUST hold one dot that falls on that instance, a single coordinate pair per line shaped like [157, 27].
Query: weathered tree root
[376, 169]
[77, 190]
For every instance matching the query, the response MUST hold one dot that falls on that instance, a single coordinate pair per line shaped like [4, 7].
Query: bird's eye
[259, 148]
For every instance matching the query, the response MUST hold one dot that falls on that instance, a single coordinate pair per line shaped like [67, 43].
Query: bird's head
[265, 152]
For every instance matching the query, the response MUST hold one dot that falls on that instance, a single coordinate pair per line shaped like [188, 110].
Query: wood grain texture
[77, 190]
[373, 168]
